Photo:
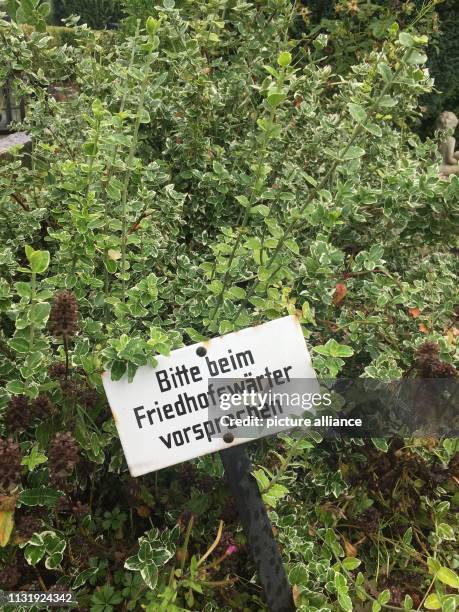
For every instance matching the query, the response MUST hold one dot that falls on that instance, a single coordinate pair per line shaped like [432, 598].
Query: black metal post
[258, 530]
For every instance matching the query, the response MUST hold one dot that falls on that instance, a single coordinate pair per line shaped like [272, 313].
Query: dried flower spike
[63, 320]
[9, 576]
[430, 366]
[27, 525]
[17, 414]
[43, 407]
[428, 350]
[10, 465]
[56, 371]
[63, 456]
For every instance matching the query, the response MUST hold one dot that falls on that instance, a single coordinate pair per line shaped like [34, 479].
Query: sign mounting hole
[201, 351]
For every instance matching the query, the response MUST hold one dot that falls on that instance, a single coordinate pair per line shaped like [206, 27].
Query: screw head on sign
[228, 438]
[201, 351]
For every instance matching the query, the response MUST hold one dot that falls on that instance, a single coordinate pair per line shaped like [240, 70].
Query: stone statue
[445, 125]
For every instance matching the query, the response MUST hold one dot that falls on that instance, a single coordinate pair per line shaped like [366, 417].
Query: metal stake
[258, 529]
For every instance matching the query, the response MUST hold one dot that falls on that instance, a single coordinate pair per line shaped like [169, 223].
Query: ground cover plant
[198, 173]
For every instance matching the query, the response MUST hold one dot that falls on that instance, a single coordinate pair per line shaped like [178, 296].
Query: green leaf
[39, 261]
[54, 560]
[352, 153]
[306, 313]
[41, 496]
[433, 565]
[44, 9]
[351, 563]
[144, 116]
[405, 39]
[237, 292]
[243, 200]
[263, 273]
[385, 72]
[388, 102]
[274, 494]
[23, 289]
[21, 345]
[28, 251]
[357, 111]
[448, 604]
[408, 535]
[262, 479]
[272, 71]
[275, 98]
[39, 313]
[381, 444]
[34, 458]
[90, 149]
[384, 597]
[133, 564]
[272, 129]
[97, 108]
[114, 189]
[152, 26]
[311, 180]
[118, 370]
[432, 602]
[16, 387]
[299, 574]
[261, 209]
[194, 335]
[345, 601]
[84, 576]
[374, 129]
[333, 349]
[284, 59]
[225, 327]
[34, 554]
[149, 574]
[46, 542]
[416, 57]
[216, 286]
[292, 246]
[110, 264]
[408, 603]
[448, 577]
[445, 532]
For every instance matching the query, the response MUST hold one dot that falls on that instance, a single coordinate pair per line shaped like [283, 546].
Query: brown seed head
[63, 320]
[63, 455]
[18, 414]
[10, 464]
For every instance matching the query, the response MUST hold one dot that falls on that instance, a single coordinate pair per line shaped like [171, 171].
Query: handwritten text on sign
[162, 416]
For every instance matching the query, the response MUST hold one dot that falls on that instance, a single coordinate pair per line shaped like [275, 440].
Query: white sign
[164, 415]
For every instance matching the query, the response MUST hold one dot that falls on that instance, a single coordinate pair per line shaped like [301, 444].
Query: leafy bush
[207, 174]
[31, 12]
[356, 27]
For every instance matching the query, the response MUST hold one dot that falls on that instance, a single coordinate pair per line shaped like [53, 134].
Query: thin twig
[213, 546]
[22, 203]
